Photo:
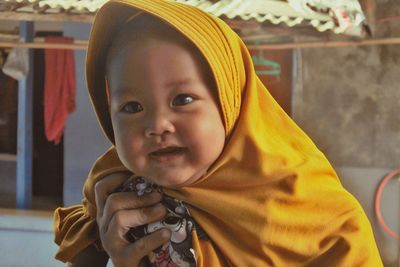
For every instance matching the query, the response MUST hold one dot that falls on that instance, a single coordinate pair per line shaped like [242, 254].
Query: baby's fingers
[140, 209]
[134, 254]
[147, 244]
[107, 186]
[122, 220]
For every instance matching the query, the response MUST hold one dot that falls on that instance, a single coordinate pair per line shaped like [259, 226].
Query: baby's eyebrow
[179, 83]
[123, 92]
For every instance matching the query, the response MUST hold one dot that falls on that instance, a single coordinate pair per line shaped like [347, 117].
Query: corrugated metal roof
[340, 16]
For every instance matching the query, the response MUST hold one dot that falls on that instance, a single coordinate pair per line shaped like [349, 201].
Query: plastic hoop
[378, 197]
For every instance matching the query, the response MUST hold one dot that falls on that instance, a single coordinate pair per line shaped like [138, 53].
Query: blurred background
[332, 65]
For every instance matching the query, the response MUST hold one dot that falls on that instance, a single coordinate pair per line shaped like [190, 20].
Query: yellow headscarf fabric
[271, 199]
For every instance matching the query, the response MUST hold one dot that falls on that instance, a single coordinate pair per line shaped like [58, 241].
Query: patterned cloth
[179, 251]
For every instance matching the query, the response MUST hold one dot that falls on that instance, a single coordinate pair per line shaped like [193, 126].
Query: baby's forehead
[129, 50]
[144, 28]
[136, 42]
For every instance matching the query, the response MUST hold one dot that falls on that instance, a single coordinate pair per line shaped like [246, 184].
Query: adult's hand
[118, 212]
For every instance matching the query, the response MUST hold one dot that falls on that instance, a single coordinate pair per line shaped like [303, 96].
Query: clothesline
[82, 45]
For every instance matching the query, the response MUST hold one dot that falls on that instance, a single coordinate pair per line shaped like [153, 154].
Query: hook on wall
[274, 68]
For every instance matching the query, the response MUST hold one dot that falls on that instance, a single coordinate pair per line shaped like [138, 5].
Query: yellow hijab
[272, 198]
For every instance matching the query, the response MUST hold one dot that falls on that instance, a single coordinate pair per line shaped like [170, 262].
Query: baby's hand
[118, 212]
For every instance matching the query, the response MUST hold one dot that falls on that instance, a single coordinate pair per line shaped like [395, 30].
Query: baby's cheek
[130, 152]
[213, 142]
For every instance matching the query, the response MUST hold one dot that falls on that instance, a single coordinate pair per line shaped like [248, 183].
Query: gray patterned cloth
[178, 251]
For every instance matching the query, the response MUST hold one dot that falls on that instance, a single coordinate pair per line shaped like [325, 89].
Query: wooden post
[25, 118]
[295, 73]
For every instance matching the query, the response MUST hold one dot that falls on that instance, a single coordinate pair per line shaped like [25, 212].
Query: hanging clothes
[59, 88]
[17, 64]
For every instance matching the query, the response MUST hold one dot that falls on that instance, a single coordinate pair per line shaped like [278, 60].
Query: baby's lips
[167, 149]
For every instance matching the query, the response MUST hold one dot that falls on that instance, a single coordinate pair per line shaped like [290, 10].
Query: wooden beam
[77, 45]
[57, 17]
[82, 45]
[327, 44]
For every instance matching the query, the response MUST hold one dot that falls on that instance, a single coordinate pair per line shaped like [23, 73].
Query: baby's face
[166, 120]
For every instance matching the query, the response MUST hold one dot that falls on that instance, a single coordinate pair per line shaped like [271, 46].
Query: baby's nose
[159, 124]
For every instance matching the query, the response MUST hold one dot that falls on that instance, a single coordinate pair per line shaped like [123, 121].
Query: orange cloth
[271, 199]
[59, 88]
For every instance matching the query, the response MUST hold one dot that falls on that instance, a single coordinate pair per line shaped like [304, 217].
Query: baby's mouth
[168, 151]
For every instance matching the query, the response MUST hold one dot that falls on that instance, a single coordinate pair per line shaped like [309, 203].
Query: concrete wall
[349, 101]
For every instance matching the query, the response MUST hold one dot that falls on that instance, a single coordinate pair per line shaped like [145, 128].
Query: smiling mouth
[168, 151]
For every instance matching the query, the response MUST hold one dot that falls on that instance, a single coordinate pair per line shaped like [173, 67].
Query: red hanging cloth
[59, 88]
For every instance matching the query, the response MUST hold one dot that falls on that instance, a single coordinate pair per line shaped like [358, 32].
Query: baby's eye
[182, 100]
[132, 107]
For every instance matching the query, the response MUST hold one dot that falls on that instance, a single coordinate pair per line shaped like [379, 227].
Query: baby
[205, 169]
[164, 112]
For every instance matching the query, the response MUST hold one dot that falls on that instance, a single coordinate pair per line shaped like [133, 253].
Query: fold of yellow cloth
[271, 199]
